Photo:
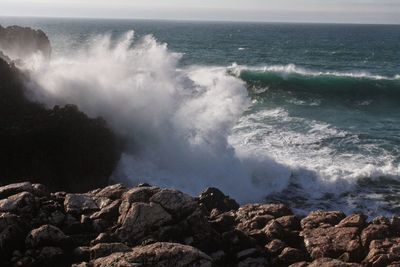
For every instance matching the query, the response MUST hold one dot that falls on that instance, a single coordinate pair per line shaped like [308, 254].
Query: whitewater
[313, 137]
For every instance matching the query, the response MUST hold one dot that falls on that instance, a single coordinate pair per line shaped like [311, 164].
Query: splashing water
[177, 121]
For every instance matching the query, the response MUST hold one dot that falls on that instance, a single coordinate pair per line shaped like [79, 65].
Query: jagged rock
[105, 249]
[113, 192]
[23, 201]
[223, 222]
[137, 194]
[213, 198]
[291, 222]
[157, 254]
[318, 218]
[140, 219]
[13, 189]
[110, 212]
[79, 204]
[275, 246]
[248, 212]
[175, 202]
[46, 235]
[383, 252]
[332, 242]
[291, 255]
[374, 231]
[355, 220]
[19, 42]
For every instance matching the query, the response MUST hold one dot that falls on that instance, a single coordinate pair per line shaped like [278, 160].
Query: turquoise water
[325, 99]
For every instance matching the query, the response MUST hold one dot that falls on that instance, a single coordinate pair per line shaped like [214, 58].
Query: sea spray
[177, 121]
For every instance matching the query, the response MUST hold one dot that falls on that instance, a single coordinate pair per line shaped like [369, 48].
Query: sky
[338, 11]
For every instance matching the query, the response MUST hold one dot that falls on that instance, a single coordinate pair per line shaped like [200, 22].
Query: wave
[177, 122]
[300, 80]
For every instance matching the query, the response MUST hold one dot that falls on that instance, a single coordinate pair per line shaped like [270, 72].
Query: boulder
[46, 235]
[328, 262]
[291, 255]
[374, 231]
[79, 204]
[12, 234]
[383, 252]
[176, 203]
[354, 220]
[105, 249]
[112, 191]
[22, 202]
[157, 254]
[332, 242]
[318, 218]
[213, 198]
[140, 219]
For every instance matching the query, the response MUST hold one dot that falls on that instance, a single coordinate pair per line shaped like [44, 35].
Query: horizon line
[198, 20]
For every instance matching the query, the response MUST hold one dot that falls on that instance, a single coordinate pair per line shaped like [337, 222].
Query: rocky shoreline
[150, 226]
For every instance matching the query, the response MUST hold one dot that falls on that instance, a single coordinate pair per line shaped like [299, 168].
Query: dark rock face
[149, 226]
[60, 147]
[19, 42]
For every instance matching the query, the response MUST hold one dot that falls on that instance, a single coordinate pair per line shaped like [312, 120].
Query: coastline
[150, 226]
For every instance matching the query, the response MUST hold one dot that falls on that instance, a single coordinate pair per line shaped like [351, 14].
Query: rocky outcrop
[18, 43]
[150, 226]
[60, 147]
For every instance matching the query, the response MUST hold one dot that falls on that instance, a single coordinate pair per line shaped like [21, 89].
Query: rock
[157, 254]
[12, 234]
[51, 256]
[332, 242]
[61, 147]
[105, 249]
[248, 253]
[328, 262]
[248, 212]
[79, 204]
[113, 192]
[374, 231]
[13, 189]
[274, 230]
[395, 225]
[20, 43]
[175, 202]
[318, 218]
[212, 198]
[20, 202]
[383, 252]
[354, 220]
[289, 222]
[46, 235]
[291, 255]
[275, 246]
[108, 213]
[253, 262]
[140, 219]
[223, 222]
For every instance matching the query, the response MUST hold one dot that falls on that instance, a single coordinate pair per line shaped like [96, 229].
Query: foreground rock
[150, 226]
[59, 147]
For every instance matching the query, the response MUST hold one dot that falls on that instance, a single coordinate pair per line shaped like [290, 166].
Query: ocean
[305, 114]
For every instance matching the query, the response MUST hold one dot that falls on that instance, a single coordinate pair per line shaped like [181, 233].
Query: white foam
[177, 121]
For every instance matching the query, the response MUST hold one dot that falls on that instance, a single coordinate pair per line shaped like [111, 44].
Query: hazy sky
[358, 11]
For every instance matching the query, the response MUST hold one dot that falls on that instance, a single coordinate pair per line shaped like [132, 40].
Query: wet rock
[157, 254]
[46, 235]
[332, 242]
[213, 198]
[318, 218]
[140, 219]
[79, 204]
